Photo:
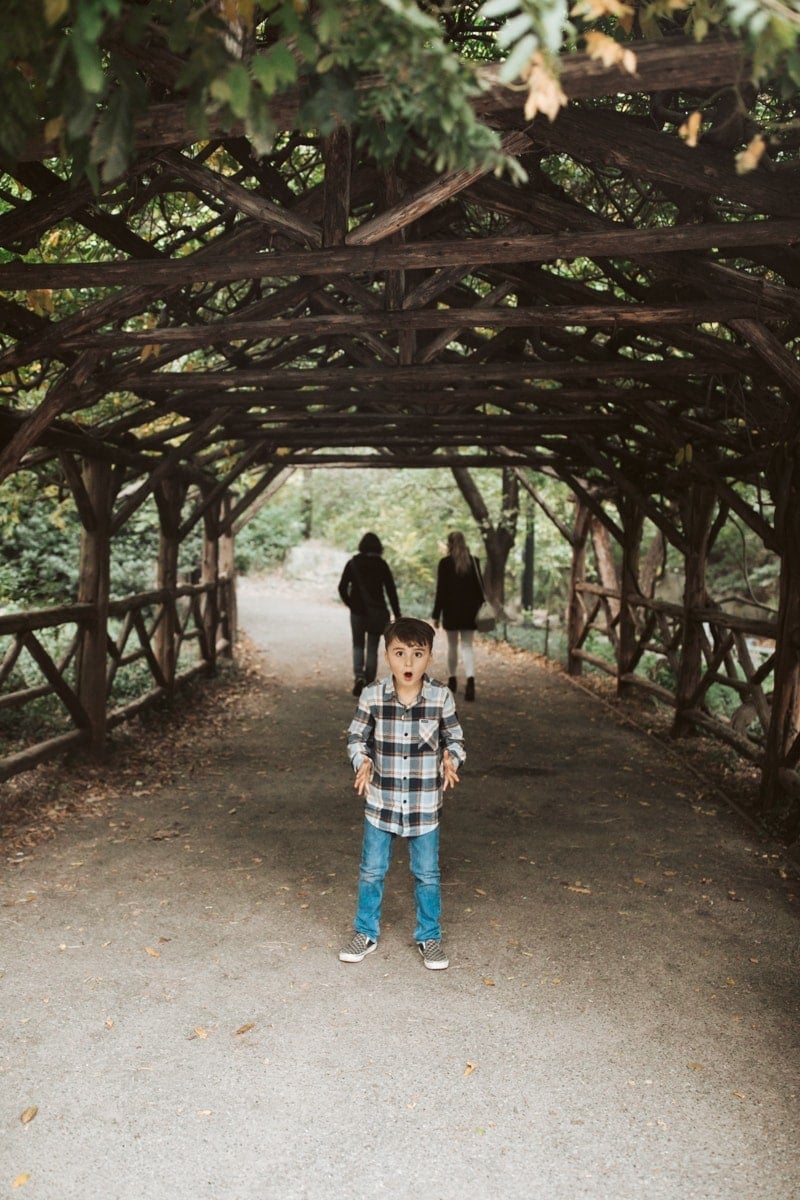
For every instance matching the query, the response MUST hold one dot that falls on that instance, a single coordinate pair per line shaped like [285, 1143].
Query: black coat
[374, 577]
[458, 597]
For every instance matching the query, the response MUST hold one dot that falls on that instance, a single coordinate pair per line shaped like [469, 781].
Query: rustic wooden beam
[434, 375]
[613, 139]
[204, 180]
[411, 208]
[209, 265]
[667, 65]
[358, 324]
[780, 360]
[337, 155]
[58, 399]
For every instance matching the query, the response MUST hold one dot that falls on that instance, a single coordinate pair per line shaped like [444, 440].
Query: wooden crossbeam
[502, 316]
[346, 260]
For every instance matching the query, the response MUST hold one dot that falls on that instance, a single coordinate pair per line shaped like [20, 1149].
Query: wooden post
[209, 573]
[93, 588]
[627, 649]
[780, 793]
[576, 615]
[698, 506]
[169, 494]
[227, 572]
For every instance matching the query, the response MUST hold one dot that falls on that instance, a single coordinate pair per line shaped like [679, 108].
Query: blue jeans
[376, 854]
[364, 666]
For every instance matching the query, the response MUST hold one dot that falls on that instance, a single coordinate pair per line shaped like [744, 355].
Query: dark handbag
[376, 618]
[376, 615]
[485, 618]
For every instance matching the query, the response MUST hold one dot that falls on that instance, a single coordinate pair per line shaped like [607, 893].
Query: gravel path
[619, 1020]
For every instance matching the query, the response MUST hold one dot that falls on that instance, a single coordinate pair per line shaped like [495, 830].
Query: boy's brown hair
[410, 631]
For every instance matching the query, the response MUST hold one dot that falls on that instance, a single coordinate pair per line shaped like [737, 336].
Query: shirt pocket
[429, 733]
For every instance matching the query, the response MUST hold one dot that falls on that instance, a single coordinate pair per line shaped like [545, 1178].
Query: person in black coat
[459, 595]
[367, 587]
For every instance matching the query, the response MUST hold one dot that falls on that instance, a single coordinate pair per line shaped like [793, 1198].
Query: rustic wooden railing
[738, 654]
[153, 630]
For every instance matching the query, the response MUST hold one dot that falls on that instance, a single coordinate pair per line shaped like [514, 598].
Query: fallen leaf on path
[480, 892]
[18, 1182]
[29, 1114]
[245, 1028]
[695, 1066]
[738, 1095]
[578, 887]
[488, 982]
[200, 1032]
[153, 953]
[470, 1068]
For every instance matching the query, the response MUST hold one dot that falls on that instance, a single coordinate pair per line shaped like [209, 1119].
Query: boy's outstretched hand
[449, 772]
[363, 776]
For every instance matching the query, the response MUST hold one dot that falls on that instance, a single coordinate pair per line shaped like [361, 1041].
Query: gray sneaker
[357, 948]
[433, 954]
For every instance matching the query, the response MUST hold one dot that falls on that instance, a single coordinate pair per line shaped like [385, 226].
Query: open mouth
[408, 674]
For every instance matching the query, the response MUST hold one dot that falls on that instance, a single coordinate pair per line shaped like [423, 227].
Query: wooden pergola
[625, 321]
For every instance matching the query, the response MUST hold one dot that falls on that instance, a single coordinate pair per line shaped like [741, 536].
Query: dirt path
[619, 1019]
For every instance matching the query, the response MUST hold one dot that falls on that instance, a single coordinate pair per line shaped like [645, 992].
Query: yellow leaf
[153, 953]
[200, 1032]
[695, 1066]
[18, 1182]
[151, 350]
[594, 9]
[738, 1095]
[545, 94]
[470, 1068]
[54, 10]
[579, 888]
[480, 892]
[601, 46]
[749, 158]
[488, 982]
[690, 129]
[29, 1114]
[245, 1028]
[53, 129]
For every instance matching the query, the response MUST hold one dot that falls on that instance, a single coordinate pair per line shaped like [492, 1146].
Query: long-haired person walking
[459, 595]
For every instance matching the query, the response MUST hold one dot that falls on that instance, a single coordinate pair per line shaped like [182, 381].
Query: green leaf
[513, 30]
[89, 64]
[497, 8]
[239, 83]
[520, 56]
[112, 141]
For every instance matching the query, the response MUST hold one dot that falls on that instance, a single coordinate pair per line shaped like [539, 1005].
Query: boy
[405, 745]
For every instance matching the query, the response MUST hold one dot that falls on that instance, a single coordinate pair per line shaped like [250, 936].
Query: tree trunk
[627, 643]
[576, 612]
[93, 588]
[497, 539]
[227, 572]
[698, 507]
[780, 785]
[169, 495]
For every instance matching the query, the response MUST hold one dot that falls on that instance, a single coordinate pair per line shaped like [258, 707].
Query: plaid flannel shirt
[405, 744]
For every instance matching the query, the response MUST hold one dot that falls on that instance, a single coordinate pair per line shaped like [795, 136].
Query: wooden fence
[154, 641]
[738, 656]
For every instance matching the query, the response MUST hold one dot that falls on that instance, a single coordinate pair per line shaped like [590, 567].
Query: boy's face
[407, 663]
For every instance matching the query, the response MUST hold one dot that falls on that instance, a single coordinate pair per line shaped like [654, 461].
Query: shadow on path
[619, 1019]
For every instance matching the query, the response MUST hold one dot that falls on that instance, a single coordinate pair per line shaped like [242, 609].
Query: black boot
[469, 690]
[452, 683]
[359, 685]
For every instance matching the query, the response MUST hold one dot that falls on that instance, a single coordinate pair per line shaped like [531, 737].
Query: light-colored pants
[467, 653]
